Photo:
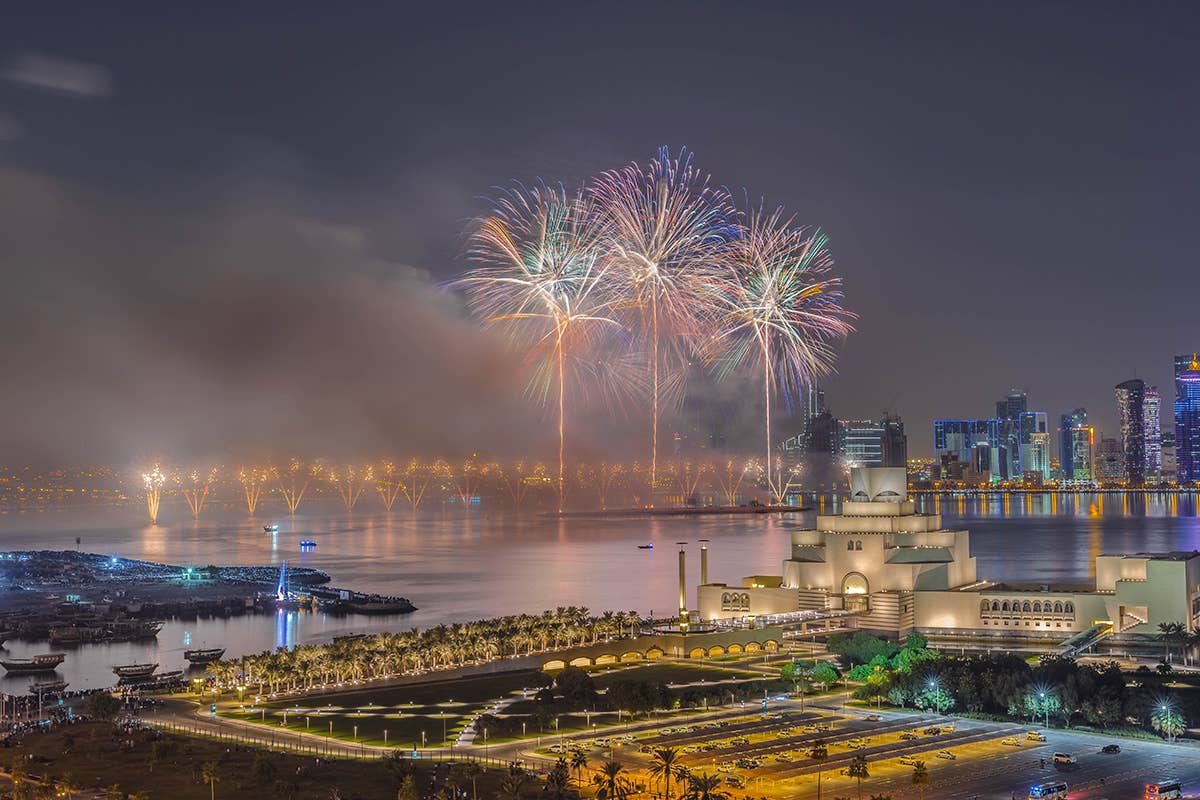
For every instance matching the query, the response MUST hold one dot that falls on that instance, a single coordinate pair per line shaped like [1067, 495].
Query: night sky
[222, 228]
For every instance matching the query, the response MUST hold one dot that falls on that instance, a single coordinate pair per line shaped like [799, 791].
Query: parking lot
[768, 754]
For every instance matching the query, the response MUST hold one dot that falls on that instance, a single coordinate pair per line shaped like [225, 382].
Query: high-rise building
[895, 443]
[1013, 406]
[862, 442]
[823, 435]
[1033, 444]
[1169, 473]
[955, 437]
[1072, 427]
[1152, 431]
[1187, 420]
[1131, 396]
[1110, 461]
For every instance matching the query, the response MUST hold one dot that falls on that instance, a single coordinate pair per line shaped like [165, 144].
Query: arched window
[1004, 606]
[849, 545]
[858, 545]
[725, 599]
[984, 607]
[1057, 606]
[1069, 608]
[1037, 606]
[855, 583]
[1026, 607]
[995, 605]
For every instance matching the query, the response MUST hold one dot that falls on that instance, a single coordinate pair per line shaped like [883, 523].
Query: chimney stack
[682, 583]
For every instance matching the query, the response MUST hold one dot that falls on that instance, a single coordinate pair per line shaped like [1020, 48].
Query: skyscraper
[956, 437]
[862, 442]
[1153, 432]
[1068, 425]
[1110, 461]
[1131, 396]
[1187, 420]
[1033, 443]
[895, 443]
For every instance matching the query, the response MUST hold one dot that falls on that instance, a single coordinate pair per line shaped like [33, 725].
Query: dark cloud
[51, 73]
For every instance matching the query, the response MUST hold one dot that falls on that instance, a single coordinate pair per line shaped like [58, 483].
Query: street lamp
[937, 696]
[1166, 709]
[1045, 708]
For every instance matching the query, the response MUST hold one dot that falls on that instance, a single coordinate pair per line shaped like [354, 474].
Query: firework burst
[153, 482]
[661, 225]
[540, 279]
[253, 480]
[778, 309]
[194, 486]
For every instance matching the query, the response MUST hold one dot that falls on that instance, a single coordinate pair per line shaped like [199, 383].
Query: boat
[307, 543]
[46, 662]
[134, 671]
[77, 634]
[271, 527]
[645, 547]
[47, 687]
[204, 656]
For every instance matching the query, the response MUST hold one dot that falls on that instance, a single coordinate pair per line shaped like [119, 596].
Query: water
[457, 567]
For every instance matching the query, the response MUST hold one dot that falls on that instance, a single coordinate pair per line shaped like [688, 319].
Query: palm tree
[704, 787]
[510, 787]
[208, 773]
[920, 777]
[610, 783]
[471, 770]
[819, 753]
[1170, 632]
[858, 769]
[558, 779]
[665, 762]
[579, 763]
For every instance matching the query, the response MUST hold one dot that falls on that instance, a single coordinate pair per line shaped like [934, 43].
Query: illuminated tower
[1131, 408]
[1153, 432]
[1187, 420]
[704, 562]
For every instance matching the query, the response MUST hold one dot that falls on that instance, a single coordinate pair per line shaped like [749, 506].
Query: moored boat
[271, 527]
[46, 662]
[204, 655]
[47, 687]
[134, 671]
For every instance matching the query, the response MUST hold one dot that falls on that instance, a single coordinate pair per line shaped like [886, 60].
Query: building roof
[920, 555]
[1172, 555]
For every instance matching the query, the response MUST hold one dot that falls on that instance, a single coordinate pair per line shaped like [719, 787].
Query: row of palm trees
[1177, 634]
[383, 655]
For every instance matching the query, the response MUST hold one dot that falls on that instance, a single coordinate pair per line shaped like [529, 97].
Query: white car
[946, 754]
[1065, 758]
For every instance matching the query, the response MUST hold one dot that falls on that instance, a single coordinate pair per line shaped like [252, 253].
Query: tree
[575, 686]
[210, 775]
[1168, 721]
[113, 792]
[511, 785]
[1171, 633]
[263, 768]
[579, 763]
[704, 787]
[408, 789]
[610, 783]
[819, 753]
[102, 706]
[920, 777]
[823, 673]
[858, 769]
[1102, 709]
[665, 763]
[558, 779]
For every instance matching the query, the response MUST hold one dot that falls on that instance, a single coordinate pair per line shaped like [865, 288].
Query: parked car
[908, 736]
[909, 761]
[783, 758]
[946, 754]
[1111, 748]
[1035, 736]
[1065, 758]
[735, 782]
[932, 730]
[1011, 741]
[873, 718]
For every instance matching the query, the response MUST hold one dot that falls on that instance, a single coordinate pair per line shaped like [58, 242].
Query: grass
[673, 673]
[95, 757]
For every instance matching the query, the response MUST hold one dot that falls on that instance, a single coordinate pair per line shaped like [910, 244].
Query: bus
[1056, 790]
[1164, 791]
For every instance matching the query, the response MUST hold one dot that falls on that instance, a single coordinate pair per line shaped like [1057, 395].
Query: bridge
[668, 645]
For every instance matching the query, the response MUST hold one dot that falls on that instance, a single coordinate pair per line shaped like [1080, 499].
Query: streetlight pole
[1045, 709]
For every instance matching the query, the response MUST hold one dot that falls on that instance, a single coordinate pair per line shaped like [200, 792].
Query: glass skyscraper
[1151, 405]
[1187, 419]
[1131, 397]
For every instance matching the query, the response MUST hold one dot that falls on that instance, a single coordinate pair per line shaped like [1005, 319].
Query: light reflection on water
[456, 567]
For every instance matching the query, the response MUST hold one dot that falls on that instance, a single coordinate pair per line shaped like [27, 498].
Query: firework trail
[293, 482]
[388, 484]
[540, 281]
[778, 308]
[194, 488]
[153, 482]
[731, 476]
[350, 483]
[661, 225]
[253, 480]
